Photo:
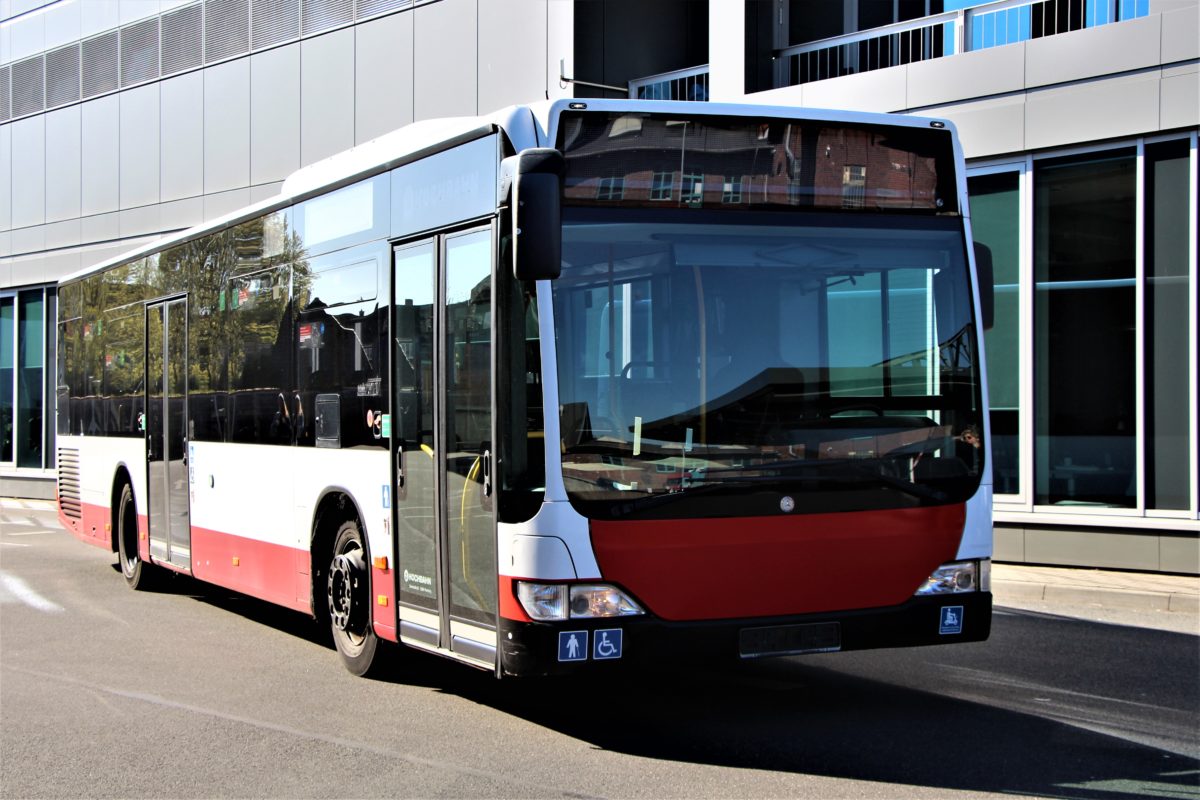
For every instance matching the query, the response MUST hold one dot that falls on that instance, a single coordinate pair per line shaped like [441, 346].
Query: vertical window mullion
[1025, 343]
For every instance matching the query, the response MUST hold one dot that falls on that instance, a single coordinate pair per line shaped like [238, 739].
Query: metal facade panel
[274, 114]
[6, 177]
[29, 171]
[512, 56]
[1091, 52]
[183, 39]
[383, 83]
[326, 95]
[227, 126]
[62, 76]
[139, 146]
[182, 135]
[445, 59]
[1084, 112]
[64, 159]
[996, 70]
[101, 155]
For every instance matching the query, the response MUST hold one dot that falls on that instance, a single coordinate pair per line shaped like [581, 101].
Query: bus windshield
[749, 363]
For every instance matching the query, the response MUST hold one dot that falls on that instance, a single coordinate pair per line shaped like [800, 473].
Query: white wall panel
[988, 127]
[97, 16]
[274, 114]
[227, 126]
[326, 95]
[63, 24]
[1087, 112]
[29, 172]
[216, 205]
[726, 51]
[1082, 54]
[1180, 106]
[445, 64]
[27, 36]
[179, 214]
[560, 33]
[139, 146]
[100, 228]
[100, 177]
[993, 71]
[512, 54]
[383, 76]
[133, 10]
[64, 159]
[182, 136]
[881, 90]
[63, 234]
[6, 183]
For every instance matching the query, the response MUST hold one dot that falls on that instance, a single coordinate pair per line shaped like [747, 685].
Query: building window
[996, 225]
[1084, 330]
[611, 189]
[854, 186]
[732, 191]
[26, 347]
[661, 188]
[692, 191]
[1168, 420]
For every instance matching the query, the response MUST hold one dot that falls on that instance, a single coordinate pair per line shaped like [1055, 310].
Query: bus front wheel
[349, 600]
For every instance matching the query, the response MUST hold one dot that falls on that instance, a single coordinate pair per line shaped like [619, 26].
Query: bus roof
[526, 126]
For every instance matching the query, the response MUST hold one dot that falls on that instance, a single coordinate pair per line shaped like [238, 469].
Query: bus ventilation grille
[68, 483]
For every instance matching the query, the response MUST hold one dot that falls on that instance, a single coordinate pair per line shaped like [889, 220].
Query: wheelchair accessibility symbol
[607, 644]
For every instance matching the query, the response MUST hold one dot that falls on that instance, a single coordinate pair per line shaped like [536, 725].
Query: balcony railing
[682, 84]
[976, 28]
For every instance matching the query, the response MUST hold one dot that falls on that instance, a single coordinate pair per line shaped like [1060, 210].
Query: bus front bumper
[580, 646]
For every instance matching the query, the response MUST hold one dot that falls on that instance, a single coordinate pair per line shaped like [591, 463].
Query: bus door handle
[487, 473]
[399, 467]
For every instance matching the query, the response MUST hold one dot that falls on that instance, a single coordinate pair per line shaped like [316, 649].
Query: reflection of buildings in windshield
[645, 160]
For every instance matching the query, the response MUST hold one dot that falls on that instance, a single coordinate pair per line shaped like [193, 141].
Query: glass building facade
[1092, 361]
[26, 385]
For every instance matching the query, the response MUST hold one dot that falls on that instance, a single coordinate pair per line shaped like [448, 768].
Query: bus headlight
[598, 600]
[957, 578]
[546, 602]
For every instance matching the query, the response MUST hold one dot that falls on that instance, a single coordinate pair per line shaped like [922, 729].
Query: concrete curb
[1017, 591]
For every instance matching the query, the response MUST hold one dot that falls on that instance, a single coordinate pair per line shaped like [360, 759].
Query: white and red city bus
[575, 386]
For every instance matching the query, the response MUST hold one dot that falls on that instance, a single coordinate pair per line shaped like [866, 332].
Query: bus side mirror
[987, 286]
[536, 176]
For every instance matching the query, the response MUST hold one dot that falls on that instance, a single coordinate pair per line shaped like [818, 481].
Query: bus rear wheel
[138, 574]
[349, 601]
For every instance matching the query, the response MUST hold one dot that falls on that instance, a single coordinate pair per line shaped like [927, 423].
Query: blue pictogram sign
[572, 645]
[607, 644]
[952, 620]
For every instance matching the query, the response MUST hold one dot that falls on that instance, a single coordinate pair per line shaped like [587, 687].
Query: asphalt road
[195, 692]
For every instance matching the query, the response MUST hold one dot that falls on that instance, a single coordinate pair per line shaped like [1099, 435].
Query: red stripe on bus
[273, 572]
[692, 569]
[383, 613]
[90, 525]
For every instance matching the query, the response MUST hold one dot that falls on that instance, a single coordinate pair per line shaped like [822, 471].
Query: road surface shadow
[811, 715]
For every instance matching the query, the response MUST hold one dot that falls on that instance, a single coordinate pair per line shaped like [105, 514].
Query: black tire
[138, 574]
[348, 595]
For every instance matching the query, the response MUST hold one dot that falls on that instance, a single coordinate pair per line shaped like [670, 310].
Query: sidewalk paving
[1141, 591]
[1021, 583]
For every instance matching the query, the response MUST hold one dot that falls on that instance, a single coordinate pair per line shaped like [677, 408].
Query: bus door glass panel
[166, 440]
[412, 425]
[468, 404]
[176, 441]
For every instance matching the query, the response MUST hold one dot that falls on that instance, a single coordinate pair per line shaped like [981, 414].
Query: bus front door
[441, 431]
[166, 435]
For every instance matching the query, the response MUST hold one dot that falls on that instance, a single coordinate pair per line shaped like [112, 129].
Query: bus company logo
[787, 505]
[418, 580]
